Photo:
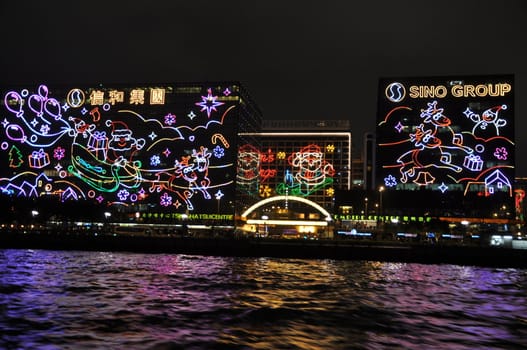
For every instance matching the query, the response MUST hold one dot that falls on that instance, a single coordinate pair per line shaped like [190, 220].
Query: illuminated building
[520, 189]
[444, 159]
[447, 144]
[357, 172]
[155, 153]
[309, 159]
[368, 152]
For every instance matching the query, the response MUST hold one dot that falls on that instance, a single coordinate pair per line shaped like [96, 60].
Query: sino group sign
[453, 134]
[168, 148]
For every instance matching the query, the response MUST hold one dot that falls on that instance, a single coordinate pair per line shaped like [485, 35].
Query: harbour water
[106, 300]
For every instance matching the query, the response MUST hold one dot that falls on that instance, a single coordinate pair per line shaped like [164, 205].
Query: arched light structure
[288, 222]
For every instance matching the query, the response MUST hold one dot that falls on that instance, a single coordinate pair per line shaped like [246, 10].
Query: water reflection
[117, 300]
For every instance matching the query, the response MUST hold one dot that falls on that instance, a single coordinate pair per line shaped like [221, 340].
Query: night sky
[298, 59]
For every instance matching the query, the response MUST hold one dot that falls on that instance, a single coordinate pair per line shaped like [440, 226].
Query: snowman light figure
[489, 123]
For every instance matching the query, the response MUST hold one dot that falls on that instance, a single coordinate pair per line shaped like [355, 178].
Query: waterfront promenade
[387, 251]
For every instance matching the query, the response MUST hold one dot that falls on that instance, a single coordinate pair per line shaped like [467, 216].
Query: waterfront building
[142, 153]
[369, 157]
[357, 172]
[445, 145]
[297, 159]
[520, 189]
[443, 162]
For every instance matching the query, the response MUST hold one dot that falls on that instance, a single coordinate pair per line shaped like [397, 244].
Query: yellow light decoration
[265, 191]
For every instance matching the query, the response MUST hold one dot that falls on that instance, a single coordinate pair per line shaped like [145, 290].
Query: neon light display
[171, 148]
[446, 135]
[302, 172]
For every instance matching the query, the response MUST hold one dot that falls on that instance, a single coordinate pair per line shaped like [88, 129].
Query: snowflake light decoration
[155, 160]
[44, 129]
[123, 195]
[501, 153]
[218, 151]
[265, 191]
[165, 200]
[390, 181]
[59, 153]
[170, 119]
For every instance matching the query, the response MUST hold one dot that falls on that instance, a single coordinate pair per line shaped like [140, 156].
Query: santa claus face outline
[122, 141]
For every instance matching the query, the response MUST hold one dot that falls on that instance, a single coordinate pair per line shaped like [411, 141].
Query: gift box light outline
[473, 162]
[38, 159]
[97, 142]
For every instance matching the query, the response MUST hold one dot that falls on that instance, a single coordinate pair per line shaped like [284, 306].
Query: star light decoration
[219, 195]
[209, 103]
[141, 194]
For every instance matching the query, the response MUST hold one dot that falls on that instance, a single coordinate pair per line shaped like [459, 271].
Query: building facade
[150, 153]
[308, 159]
[446, 144]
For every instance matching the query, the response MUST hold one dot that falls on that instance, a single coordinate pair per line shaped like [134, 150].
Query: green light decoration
[15, 157]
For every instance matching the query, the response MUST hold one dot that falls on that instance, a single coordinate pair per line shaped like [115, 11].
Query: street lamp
[184, 225]
[264, 218]
[218, 196]
[366, 207]
[328, 228]
[381, 190]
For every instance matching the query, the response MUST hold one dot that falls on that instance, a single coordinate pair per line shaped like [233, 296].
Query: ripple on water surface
[60, 299]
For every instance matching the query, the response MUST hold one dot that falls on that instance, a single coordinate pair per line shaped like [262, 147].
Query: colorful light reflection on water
[52, 299]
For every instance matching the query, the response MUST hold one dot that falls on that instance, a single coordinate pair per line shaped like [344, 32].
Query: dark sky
[298, 59]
